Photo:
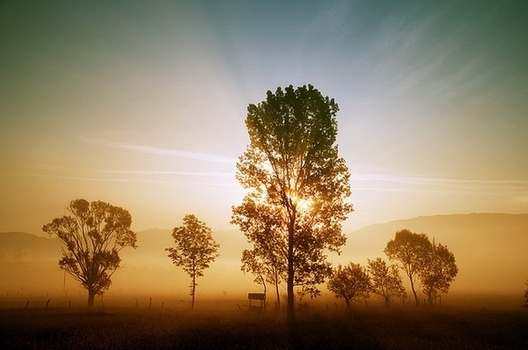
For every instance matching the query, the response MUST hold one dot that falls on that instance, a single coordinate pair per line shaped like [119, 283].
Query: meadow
[149, 323]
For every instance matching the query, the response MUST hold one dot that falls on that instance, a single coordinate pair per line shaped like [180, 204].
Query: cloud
[391, 183]
[129, 180]
[434, 180]
[169, 152]
[170, 172]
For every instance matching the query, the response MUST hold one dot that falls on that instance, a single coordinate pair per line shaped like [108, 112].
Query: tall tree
[386, 280]
[93, 234]
[438, 272]
[297, 183]
[411, 251]
[349, 282]
[195, 249]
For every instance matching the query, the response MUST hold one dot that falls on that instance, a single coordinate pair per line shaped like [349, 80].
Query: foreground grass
[232, 328]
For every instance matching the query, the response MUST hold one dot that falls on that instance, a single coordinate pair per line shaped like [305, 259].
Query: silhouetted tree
[438, 271]
[298, 183]
[195, 249]
[94, 234]
[411, 251]
[264, 271]
[349, 282]
[385, 280]
[265, 257]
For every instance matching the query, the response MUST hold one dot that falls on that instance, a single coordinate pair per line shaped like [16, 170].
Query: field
[470, 323]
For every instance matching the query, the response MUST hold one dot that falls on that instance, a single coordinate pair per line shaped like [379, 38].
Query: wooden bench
[259, 297]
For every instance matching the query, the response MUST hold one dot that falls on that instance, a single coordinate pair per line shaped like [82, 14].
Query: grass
[223, 325]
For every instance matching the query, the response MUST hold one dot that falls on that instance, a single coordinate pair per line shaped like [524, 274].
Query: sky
[142, 104]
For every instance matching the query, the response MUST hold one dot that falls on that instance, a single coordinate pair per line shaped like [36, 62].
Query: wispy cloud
[434, 180]
[145, 149]
[125, 180]
[169, 172]
[391, 183]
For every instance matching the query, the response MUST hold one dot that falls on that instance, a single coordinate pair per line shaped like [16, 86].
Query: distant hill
[491, 250]
[29, 264]
[17, 246]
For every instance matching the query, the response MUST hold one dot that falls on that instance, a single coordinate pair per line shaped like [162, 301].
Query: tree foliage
[438, 272]
[350, 282]
[195, 249]
[93, 234]
[385, 280]
[297, 184]
[411, 251]
[430, 263]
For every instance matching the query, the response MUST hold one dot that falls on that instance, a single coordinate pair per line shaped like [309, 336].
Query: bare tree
[385, 280]
[298, 183]
[93, 234]
[195, 249]
[350, 282]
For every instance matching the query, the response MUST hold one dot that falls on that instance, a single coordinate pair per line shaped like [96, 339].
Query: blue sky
[143, 104]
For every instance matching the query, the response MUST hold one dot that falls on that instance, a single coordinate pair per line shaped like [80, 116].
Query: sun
[301, 204]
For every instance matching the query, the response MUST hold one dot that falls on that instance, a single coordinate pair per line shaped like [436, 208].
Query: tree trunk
[277, 291]
[430, 298]
[291, 306]
[414, 293]
[265, 291]
[91, 297]
[347, 301]
[193, 291]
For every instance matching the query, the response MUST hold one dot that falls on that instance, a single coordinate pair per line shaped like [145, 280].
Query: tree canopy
[438, 272]
[429, 262]
[195, 249]
[297, 182]
[93, 234]
[385, 280]
[349, 282]
[410, 250]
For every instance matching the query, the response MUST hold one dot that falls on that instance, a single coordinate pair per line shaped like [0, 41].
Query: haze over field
[143, 104]
[489, 251]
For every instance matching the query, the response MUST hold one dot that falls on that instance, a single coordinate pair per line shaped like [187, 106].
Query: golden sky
[143, 104]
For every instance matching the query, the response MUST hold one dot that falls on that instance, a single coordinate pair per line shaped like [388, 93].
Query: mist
[489, 252]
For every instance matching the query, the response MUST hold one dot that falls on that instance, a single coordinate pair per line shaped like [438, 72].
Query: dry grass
[215, 325]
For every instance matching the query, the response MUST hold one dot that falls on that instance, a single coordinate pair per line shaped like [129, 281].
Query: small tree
[411, 251]
[349, 282]
[386, 280]
[195, 249]
[438, 272]
[94, 235]
[254, 265]
[264, 272]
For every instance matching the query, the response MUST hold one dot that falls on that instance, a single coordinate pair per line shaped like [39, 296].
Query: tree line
[430, 263]
[292, 213]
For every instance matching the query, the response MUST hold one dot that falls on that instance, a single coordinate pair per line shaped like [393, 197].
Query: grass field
[226, 325]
